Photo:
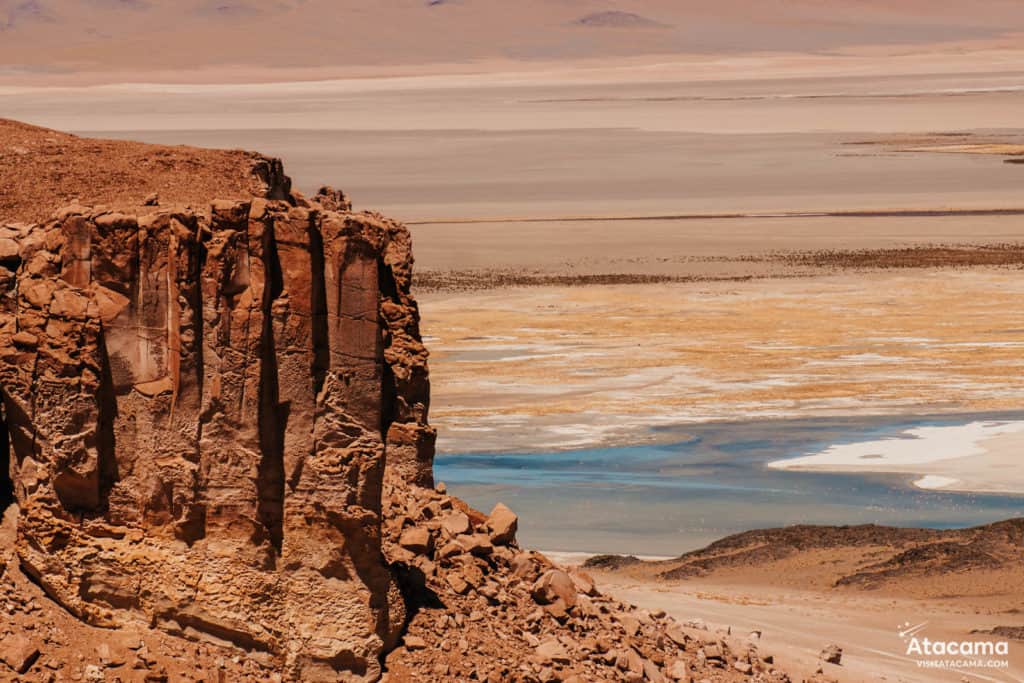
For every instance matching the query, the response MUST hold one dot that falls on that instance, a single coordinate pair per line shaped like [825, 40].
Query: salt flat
[635, 356]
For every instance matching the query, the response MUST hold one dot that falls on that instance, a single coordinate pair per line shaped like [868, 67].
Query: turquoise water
[707, 482]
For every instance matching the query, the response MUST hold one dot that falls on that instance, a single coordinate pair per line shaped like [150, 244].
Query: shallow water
[711, 482]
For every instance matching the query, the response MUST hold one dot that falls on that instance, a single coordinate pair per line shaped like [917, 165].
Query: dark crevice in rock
[199, 330]
[196, 624]
[6, 482]
[388, 290]
[272, 417]
[11, 263]
[318, 302]
[106, 416]
[417, 595]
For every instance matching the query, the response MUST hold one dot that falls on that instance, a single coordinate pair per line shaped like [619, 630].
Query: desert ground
[797, 624]
[800, 589]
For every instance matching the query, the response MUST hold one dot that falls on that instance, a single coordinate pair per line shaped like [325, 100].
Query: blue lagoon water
[708, 481]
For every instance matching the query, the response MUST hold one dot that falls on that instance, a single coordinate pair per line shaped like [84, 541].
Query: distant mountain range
[103, 36]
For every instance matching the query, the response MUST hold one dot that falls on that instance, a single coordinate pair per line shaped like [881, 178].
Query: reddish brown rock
[555, 586]
[584, 582]
[456, 524]
[18, 652]
[417, 540]
[200, 404]
[552, 651]
[503, 524]
[833, 654]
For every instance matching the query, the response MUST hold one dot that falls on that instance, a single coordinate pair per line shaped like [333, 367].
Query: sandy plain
[797, 624]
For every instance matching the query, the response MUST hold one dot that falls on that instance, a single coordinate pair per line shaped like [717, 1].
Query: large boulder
[503, 524]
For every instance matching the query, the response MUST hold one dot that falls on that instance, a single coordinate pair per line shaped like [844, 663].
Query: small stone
[477, 544]
[69, 304]
[449, 549]
[676, 635]
[521, 566]
[552, 586]
[713, 651]
[585, 607]
[416, 539]
[455, 524]
[584, 582]
[9, 251]
[557, 610]
[163, 385]
[552, 651]
[678, 671]
[652, 673]
[457, 583]
[630, 661]
[629, 623]
[18, 652]
[415, 643]
[503, 524]
[833, 654]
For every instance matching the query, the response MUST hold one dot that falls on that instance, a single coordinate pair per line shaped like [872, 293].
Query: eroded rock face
[202, 407]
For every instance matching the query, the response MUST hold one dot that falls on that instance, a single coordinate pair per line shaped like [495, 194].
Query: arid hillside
[54, 37]
[980, 562]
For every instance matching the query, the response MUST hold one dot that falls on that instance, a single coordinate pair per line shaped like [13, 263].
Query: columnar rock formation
[200, 407]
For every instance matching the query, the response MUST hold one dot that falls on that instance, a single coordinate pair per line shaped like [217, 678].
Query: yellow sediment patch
[604, 363]
[984, 148]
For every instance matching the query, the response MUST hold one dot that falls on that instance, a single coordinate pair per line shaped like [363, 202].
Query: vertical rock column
[406, 382]
[332, 465]
[146, 286]
[232, 295]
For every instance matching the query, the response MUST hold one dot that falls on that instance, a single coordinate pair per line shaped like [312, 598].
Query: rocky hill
[117, 40]
[215, 413]
[923, 563]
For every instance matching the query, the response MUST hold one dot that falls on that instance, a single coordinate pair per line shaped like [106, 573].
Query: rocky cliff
[200, 403]
[199, 407]
[216, 424]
